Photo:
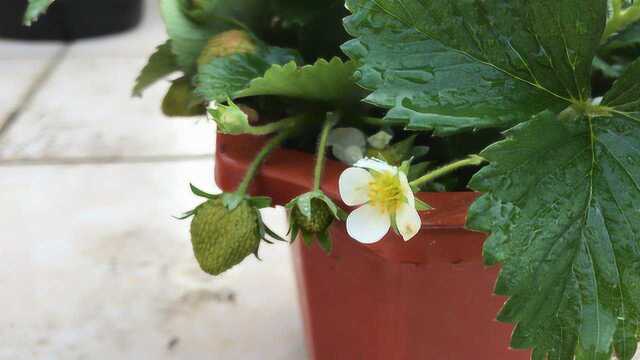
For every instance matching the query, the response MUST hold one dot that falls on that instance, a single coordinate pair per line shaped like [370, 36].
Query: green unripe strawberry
[321, 217]
[226, 44]
[222, 238]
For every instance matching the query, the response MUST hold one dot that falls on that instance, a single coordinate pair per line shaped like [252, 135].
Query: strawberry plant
[534, 104]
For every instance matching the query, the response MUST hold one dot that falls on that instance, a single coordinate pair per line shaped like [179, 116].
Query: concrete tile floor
[94, 266]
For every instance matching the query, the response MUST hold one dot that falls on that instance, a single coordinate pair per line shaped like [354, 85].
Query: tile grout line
[105, 160]
[33, 88]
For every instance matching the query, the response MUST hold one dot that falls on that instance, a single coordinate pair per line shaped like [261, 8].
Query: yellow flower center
[385, 192]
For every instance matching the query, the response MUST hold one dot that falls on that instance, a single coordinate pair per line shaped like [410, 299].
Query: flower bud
[230, 118]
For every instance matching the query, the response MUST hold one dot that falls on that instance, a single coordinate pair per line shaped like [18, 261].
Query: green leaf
[34, 10]
[180, 100]
[225, 77]
[562, 205]
[628, 38]
[161, 63]
[188, 38]
[328, 81]
[453, 66]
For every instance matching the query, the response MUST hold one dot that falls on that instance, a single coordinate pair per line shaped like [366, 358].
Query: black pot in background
[70, 19]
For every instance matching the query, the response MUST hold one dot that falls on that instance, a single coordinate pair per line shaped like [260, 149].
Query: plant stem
[259, 159]
[472, 160]
[329, 122]
[621, 19]
[270, 128]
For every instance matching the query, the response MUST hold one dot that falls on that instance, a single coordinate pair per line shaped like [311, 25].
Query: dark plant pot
[429, 298]
[70, 19]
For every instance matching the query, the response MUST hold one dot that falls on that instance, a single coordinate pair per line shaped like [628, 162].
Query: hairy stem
[473, 160]
[329, 122]
[259, 159]
[273, 127]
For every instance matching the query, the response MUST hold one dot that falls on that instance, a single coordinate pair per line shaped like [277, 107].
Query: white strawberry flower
[384, 194]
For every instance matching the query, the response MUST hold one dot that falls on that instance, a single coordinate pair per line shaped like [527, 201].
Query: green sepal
[303, 202]
[271, 233]
[232, 200]
[293, 232]
[201, 193]
[325, 242]
[260, 202]
[418, 170]
[397, 153]
[307, 238]
[422, 206]
[420, 151]
[405, 167]
[186, 215]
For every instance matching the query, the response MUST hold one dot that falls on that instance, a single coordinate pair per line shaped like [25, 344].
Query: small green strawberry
[222, 238]
[226, 229]
[312, 214]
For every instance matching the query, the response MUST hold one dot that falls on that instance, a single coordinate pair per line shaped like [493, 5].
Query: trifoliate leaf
[562, 201]
[329, 81]
[161, 63]
[35, 9]
[453, 66]
[225, 77]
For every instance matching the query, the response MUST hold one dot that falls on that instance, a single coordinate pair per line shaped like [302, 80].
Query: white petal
[375, 164]
[347, 137]
[367, 224]
[354, 186]
[408, 221]
[348, 155]
[406, 189]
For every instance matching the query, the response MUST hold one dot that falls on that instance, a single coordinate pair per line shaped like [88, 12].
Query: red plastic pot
[429, 298]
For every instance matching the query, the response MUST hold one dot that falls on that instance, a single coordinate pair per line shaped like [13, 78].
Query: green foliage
[180, 100]
[561, 203]
[225, 77]
[562, 190]
[453, 66]
[329, 81]
[161, 63]
[35, 9]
